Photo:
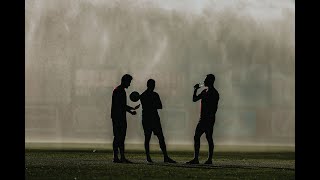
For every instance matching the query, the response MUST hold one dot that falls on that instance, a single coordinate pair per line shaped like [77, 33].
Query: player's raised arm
[196, 97]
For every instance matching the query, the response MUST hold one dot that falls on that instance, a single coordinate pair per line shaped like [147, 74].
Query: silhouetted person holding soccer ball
[209, 105]
[151, 102]
[119, 108]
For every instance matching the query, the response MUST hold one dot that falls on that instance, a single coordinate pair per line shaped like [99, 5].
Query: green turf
[41, 164]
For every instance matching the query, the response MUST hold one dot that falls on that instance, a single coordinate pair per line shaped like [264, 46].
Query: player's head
[126, 80]
[151, 84]
[209, 80]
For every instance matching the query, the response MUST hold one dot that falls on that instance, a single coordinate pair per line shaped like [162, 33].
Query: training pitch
[76, 165]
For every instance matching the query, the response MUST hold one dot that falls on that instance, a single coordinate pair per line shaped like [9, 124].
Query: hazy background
[78, 50]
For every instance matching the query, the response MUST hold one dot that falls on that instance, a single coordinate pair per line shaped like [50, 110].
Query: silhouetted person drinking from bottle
[119, 108]
[209, 105]
[151, 102]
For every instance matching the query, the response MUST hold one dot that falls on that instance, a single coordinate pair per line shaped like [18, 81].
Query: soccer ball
[134, 96]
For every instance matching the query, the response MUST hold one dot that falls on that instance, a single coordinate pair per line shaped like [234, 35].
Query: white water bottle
[201, 84]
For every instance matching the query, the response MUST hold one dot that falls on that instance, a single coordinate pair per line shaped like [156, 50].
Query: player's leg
[147, 137]
[197, 135]
[122, 147]
[198, 132]
[115, 144]
[209, 133]
[159, 133]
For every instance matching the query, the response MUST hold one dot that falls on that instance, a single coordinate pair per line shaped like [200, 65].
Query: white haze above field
[77, 51]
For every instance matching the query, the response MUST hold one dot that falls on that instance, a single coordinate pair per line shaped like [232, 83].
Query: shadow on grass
[207, 166]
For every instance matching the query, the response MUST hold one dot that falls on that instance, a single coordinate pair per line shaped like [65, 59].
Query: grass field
[49, 164]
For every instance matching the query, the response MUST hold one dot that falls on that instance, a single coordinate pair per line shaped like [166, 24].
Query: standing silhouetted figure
[151, 102]
[119, 108]
[209, 105]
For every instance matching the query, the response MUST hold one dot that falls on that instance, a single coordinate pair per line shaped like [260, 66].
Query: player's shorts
[153, 126]
[119, 129]
[205, 126]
